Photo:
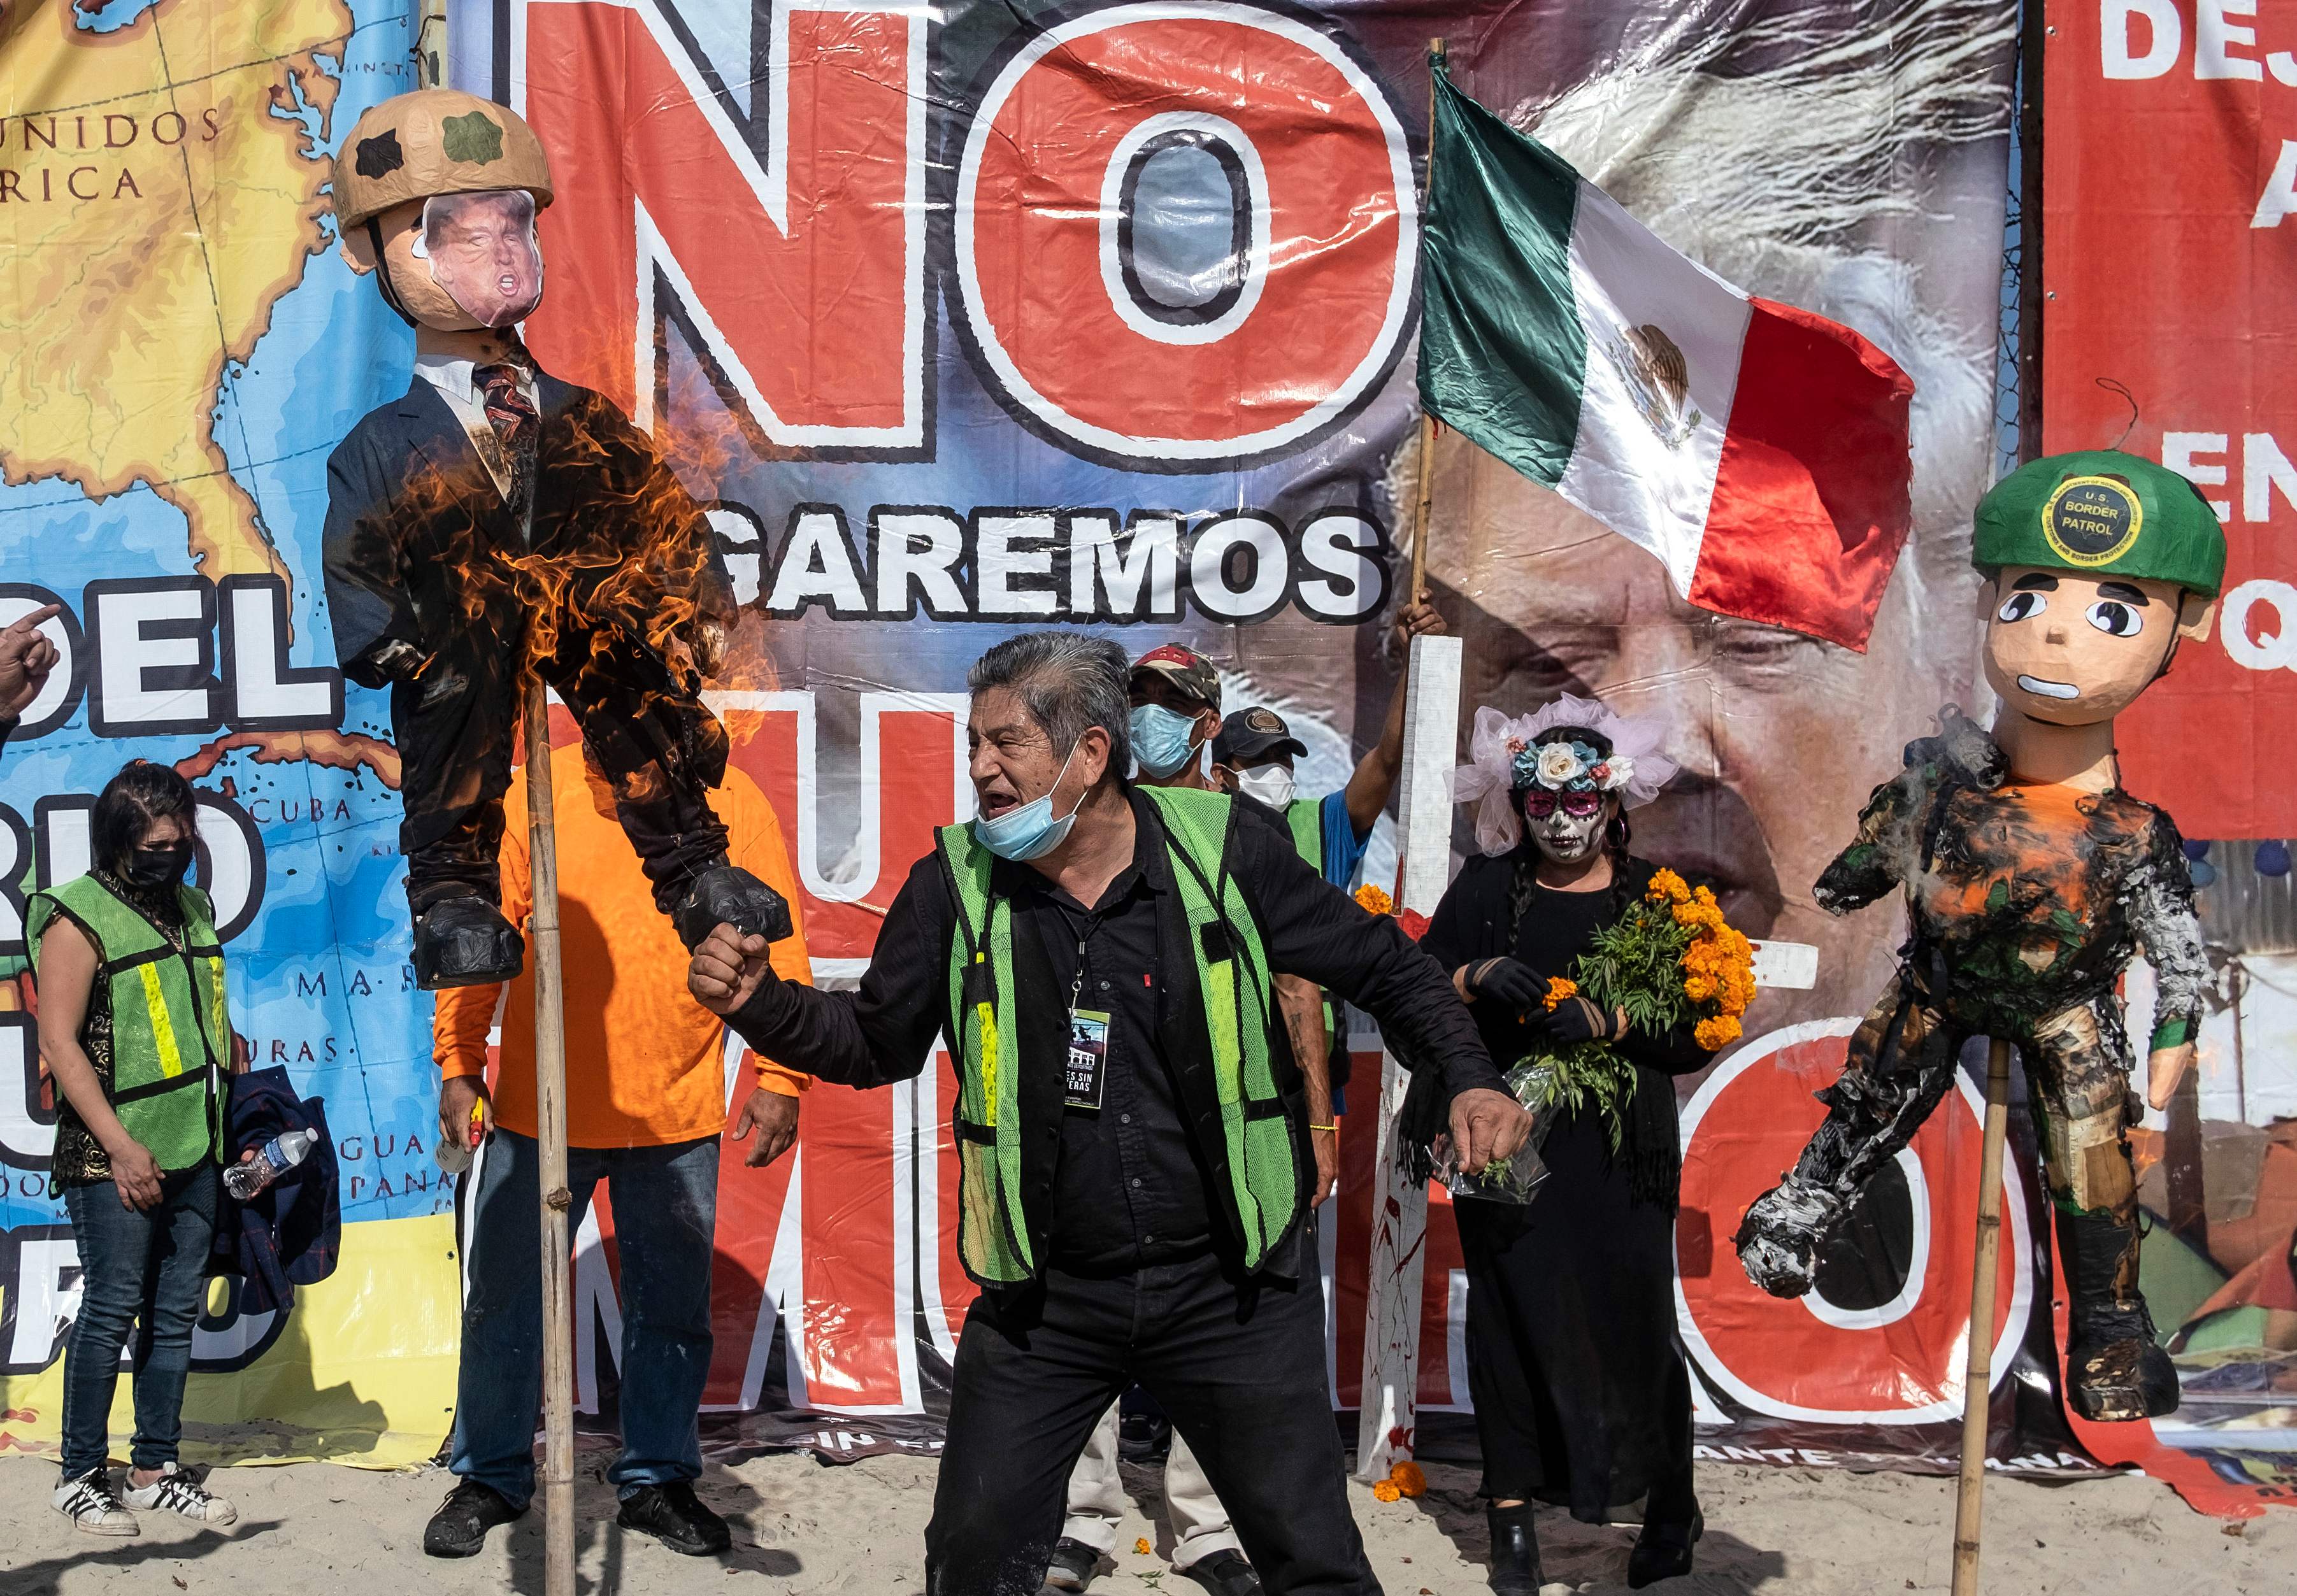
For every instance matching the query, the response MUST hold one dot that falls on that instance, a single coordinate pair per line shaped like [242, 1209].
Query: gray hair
[1070, 682]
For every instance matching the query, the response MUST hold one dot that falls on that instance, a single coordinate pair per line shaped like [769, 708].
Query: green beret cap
[2105, 512]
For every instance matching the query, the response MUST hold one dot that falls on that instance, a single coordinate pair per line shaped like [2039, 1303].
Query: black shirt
[1132, 1186]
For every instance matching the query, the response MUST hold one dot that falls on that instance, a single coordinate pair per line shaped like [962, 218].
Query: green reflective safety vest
[171, 1033]
[1237, 992]
[1305, 818]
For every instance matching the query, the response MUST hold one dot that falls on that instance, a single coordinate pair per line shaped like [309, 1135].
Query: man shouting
[1136, 1199]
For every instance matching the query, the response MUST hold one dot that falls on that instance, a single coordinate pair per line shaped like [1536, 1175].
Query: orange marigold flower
[1558, 989]
[1698, 989]
[1140, 1547]
[1705, 895]
[1387, 1490]
[1717, 1033]
[1375, 900]
[1409, 1479]
[1667, 887]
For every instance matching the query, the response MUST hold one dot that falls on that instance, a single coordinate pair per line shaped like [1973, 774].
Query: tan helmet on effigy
[435, 141]
[440, 166]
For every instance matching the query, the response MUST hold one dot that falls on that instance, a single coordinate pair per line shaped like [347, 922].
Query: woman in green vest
[133, 1029]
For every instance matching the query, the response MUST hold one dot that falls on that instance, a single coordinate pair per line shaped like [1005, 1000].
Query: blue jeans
[140, 1271]
[665, 1225]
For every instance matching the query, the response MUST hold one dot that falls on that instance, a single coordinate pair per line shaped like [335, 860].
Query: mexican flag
[1759, 451]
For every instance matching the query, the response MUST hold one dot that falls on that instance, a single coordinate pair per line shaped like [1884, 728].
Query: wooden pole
[1425, 493]
[1978, 1387]
[550, 1150]
[1387, 1398]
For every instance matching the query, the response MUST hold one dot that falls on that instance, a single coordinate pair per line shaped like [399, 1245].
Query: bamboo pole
[550, 1150]
[1978, 1387]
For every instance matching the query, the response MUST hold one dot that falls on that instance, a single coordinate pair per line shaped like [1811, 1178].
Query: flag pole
[1978, 1381]
[1424, 495]
[1387, 1399]
[550, 1149]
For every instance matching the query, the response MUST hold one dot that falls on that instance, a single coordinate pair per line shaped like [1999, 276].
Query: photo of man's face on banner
[483, 252]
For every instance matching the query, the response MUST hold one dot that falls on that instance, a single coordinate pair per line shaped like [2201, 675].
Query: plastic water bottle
[277, 1156]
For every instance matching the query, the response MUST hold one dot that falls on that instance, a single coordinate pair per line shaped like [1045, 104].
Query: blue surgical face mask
[1029, 831]
[1162, 741]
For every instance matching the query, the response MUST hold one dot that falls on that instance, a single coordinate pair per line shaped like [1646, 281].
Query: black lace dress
[1582, 1399]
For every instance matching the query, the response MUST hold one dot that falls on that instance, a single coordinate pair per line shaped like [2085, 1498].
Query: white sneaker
[176, 1492]
[92, 1505]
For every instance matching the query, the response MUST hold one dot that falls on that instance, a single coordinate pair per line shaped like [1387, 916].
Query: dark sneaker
[92, 1506]
[724, 894]
[1224, 1574]
[465, 942]
[1073, 1566]
[1663, 1551]
[459, 1527]
[673, 1515]
[1144, 1439]
[176, 1492]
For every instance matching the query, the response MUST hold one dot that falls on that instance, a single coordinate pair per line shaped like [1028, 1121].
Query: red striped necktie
[514, 421]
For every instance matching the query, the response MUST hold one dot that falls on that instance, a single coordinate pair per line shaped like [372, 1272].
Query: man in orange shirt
[646, 1094]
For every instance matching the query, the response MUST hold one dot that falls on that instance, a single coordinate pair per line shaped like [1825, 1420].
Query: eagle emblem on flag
[1658, 379]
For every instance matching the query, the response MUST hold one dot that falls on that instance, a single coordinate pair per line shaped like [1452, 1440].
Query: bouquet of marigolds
[1670, 959]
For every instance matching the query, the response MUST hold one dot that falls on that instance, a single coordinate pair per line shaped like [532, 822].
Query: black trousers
[1237, 1364]
[660, 749]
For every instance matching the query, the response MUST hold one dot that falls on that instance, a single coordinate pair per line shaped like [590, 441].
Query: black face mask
[155, 870]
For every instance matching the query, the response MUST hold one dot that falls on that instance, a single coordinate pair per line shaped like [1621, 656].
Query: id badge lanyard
[1085, 1072]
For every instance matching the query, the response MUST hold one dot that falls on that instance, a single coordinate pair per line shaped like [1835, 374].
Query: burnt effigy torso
[2023, 899]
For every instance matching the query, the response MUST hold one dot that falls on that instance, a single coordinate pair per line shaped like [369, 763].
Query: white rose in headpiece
[1637, 769]
[1559, 766]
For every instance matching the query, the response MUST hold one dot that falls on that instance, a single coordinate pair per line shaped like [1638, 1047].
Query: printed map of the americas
[161, 166]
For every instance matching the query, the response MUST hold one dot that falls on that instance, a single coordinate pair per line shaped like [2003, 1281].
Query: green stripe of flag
[1502, 351]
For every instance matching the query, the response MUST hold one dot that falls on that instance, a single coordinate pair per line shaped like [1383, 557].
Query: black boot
[1663, 1550]
[2116, 1370]
[464, 941]
[723, 894]
[1515, 1551]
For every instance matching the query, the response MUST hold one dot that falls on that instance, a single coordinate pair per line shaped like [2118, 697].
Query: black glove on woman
[1574, 1019]
[1508, 982]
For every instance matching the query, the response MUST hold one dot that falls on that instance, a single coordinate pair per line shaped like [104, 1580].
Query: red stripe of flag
[1812, 500]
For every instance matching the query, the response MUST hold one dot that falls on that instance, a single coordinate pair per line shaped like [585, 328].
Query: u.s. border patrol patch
[2092, 521]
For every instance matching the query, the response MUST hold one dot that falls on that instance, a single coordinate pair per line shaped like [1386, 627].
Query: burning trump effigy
[495, 520]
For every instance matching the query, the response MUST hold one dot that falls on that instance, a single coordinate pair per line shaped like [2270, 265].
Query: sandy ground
[802, 1527]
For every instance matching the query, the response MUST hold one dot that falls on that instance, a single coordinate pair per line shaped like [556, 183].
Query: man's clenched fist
[727, 970]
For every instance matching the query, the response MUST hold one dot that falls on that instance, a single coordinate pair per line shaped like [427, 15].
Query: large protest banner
[2169, 307]
[964, 319]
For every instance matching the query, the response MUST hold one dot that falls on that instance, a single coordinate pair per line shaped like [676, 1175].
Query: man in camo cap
[2032, 880]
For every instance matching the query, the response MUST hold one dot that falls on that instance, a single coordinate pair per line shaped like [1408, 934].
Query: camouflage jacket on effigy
[2023, 899]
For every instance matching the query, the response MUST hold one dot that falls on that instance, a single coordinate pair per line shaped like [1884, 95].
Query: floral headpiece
[1506, 758]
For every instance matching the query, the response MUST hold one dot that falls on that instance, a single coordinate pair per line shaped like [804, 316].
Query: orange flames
[620, 598]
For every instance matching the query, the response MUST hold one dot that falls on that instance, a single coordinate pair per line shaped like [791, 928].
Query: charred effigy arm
[2158, 898]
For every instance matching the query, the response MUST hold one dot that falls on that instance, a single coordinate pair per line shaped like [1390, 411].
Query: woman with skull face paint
[1582, 1397]
[134, 1030]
